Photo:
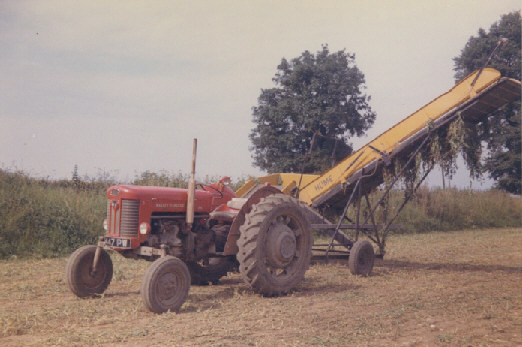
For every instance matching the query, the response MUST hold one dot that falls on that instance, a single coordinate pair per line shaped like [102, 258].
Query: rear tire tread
[248, 256]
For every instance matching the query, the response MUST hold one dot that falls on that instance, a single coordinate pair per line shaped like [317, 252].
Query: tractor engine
[166, 232]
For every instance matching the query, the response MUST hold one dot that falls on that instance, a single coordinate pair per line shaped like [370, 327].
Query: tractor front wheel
[165, 285]
[275, 245]
[361, 258]
[81, 278]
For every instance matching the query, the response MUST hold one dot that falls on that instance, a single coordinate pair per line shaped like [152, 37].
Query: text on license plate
[117, 242]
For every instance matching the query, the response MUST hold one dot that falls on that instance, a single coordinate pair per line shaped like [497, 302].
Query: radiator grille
[123, 221]
[130, 216]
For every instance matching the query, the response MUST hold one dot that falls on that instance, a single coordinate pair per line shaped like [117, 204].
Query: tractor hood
[146, 192]
[162, 199]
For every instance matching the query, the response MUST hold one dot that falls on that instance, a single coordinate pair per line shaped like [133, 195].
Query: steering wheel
[205, 186]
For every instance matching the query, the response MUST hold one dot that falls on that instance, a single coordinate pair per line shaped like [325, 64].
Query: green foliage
[478, 48]
[75, 176]
[321, 93]
[504, 161]
[453, 209]
[179, 180]
[501, 131]
[46, 218]
[448, 209]
[442, 148]
[162, 179]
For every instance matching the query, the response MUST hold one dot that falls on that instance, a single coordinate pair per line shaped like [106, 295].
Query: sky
[121, 87]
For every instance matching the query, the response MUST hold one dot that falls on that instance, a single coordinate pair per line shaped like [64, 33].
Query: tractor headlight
[105, 225]
[144, 228]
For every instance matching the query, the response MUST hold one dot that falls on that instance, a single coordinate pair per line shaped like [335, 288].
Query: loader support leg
[380, 235]
[357, 225]
[330, 245]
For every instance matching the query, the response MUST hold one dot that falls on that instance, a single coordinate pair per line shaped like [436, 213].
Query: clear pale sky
[123, 86]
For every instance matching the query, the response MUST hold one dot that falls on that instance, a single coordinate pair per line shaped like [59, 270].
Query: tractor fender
[260, 192]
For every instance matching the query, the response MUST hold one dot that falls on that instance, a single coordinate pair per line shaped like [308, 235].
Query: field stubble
[453, 288]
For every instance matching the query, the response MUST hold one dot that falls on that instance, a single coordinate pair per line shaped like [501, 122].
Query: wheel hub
[167, 286]
[281, 246]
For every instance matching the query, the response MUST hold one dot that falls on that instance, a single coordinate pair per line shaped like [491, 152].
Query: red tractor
[196, 236]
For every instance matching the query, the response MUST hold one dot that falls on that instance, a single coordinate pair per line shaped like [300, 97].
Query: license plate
[117, 242]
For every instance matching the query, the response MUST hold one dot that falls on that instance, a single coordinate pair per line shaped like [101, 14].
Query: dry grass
[458, 289]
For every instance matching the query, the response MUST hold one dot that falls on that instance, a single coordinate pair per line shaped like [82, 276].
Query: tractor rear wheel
[203, 274]
[275, 245]
[82, 280]
[361, 258]
[165, 285]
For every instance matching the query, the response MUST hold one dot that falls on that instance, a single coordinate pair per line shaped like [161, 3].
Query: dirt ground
[437, 289]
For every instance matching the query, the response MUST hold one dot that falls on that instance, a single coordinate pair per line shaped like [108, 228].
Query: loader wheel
[81, 279]
[361, 258]
[201, 274]
[165, 285]
[275, 245]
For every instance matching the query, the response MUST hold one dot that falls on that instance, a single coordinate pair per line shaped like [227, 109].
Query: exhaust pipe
[191, 187]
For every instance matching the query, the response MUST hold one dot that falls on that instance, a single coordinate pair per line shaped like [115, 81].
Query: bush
[453, 209]
[48, 218]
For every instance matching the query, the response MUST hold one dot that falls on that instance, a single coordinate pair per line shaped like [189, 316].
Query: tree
[501, 131]
[321, 93]
[75, 177]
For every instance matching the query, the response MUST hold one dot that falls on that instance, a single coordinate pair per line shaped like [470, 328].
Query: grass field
[453, 288]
